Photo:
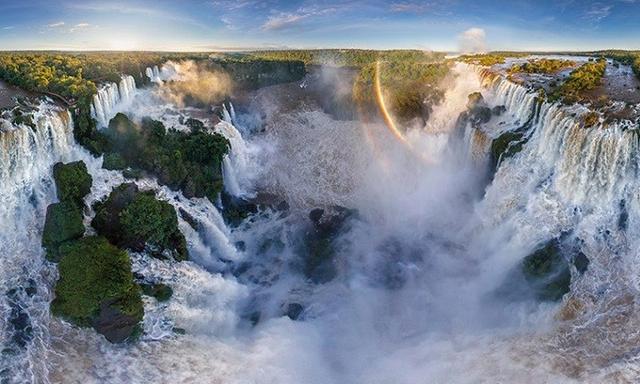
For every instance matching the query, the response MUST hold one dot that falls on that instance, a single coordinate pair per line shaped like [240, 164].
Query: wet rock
[193, 223]
[623, 217]
[581, 262]
[505, 146]
[235, 210]
[327, 224]
[18, 320]
[498, 110]
[115, 325]
[474, 100]
[294, 310]
[547, 272]
[283, 206]
[241, 246]
[161, 292]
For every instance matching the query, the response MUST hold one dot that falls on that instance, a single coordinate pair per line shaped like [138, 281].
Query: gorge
[496, 235]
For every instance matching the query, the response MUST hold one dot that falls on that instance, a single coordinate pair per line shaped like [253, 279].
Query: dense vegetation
[95, 280]
[489, 59]
[186, 161]
[357, 58]
[547, 66]
[583, 79]
[63, 222]
[139, 221]
[410, 87]
[96, 286]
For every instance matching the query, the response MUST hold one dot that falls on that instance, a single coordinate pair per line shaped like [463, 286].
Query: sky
[209, 25]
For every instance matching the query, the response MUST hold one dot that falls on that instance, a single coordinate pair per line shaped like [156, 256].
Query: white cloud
[598, 12]
[8, 27]
[473, 40]
[55, 25]
[410, 7]
[79, 26]
[288, 20]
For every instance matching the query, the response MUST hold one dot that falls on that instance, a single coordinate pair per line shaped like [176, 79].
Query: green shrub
[62, 223]
[73, 182]
[113, 161]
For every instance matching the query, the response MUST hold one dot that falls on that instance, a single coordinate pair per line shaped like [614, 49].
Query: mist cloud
[473, 40]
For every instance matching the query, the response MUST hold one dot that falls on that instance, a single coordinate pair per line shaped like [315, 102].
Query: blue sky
[445, 25]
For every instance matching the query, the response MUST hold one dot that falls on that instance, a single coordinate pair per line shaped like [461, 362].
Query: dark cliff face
[260, 73]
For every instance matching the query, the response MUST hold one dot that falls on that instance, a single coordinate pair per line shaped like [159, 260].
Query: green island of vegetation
[187, 161]
[96, 287]
[582, 79]
[547, 66]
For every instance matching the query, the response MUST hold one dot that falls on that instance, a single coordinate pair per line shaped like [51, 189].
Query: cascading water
[154, 74]
[417, 293]
[26, 157]
[111, 98]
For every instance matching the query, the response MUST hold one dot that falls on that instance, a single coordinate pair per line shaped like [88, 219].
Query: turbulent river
[421, 269]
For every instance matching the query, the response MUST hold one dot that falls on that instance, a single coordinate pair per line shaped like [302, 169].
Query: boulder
[319, 253]
[475, 100]
[294, 310]
[498, 110]
[161, 292]
[547, 272]
[235, 210]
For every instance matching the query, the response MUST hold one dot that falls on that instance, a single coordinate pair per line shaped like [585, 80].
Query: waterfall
[239, 165]
[111, 98]
[420, 270]
[26, 157]
[154, 74]
[226, 116]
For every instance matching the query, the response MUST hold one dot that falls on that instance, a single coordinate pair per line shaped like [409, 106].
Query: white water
[111, 99]
[415, 299]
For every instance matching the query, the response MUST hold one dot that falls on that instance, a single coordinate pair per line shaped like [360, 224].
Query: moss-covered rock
[137, 220]
[73, 181]
[161, 292]
[235, 210]
[62, 223]
[96, 288]
[547, 271]
[505, 146]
